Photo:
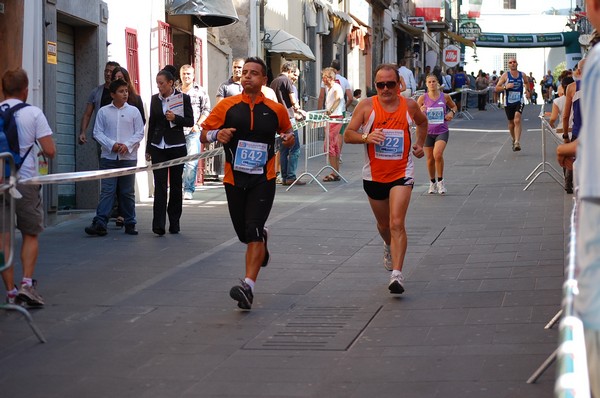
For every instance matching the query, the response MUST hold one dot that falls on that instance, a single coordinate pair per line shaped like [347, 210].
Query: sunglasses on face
[381, 85]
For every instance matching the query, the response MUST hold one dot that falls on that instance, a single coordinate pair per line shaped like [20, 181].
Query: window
[132, 57]
[510, 4]
[505, 59]
[165, 45]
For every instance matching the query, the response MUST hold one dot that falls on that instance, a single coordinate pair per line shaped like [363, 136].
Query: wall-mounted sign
[451, 55]
[469, 30]
[51, 53]
[417, 22]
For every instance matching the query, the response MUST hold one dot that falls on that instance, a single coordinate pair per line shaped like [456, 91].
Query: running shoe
[396, 285]
[441, 187]
[187, 195]
[432, 187]
[387, 257]
[29, 295]
[242, 293]
[516, 146]
[10, 299]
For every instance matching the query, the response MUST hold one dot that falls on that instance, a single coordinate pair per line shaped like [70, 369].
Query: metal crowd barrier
[544, 166]
[8, 193]
[491, 103]
[572, 372]
[316, 143]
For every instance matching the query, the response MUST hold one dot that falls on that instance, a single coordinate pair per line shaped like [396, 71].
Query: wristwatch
[364, 137]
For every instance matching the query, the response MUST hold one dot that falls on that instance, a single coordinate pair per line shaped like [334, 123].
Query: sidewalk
[148, 316]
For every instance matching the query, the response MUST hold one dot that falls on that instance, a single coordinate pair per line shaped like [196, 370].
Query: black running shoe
[242, 293]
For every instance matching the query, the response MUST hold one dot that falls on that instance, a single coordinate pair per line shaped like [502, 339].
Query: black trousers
[168, 179]
[482, 101]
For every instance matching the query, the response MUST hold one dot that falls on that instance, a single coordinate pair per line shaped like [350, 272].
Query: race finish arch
[569, 40]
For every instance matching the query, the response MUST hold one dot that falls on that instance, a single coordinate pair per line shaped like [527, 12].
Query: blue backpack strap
[8, 118]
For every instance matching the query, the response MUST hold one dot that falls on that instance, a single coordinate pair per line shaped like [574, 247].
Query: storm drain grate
[315, 328]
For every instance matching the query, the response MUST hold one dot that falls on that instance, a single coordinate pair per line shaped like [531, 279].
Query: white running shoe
[187, 195]
[441, 187]
[387, 257]
[396, 285]
[432, 187]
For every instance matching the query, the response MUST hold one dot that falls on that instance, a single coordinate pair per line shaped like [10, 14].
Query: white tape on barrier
[78, 176]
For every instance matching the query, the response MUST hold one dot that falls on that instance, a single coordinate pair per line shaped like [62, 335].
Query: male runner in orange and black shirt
[246, 125]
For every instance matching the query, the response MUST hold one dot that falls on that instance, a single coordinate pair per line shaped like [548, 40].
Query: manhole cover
[315, 328]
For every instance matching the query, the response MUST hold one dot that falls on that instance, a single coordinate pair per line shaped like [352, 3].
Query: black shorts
[431, 139]
[249, 209]
[381, 190]
[511, 109]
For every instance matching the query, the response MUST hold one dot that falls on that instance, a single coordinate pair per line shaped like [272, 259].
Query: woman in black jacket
[165, 142]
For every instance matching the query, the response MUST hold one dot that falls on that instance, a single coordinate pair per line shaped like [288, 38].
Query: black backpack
[9, 137]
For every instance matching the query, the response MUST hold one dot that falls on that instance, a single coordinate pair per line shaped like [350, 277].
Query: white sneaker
[441, 187]
[396, 285]
[432, 187]
[188, 195]
[387, 257]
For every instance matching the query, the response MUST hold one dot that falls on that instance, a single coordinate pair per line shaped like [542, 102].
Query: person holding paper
[170, 112]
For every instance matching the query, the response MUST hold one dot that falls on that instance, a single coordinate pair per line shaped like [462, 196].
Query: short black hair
[257, 60]
[115, 84]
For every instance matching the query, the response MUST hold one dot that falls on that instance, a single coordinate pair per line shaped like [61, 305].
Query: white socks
[397, 273]
[250, 283]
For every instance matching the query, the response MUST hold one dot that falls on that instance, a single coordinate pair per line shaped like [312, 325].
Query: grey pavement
[148, 316]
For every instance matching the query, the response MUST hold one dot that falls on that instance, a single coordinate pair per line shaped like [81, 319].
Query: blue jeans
[108, 189]
[289, 159]
[192, 144]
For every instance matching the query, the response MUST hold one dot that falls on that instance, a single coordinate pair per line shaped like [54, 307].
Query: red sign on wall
[451, 55]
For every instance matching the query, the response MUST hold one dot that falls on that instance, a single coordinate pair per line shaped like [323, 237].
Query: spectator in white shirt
[409, 79]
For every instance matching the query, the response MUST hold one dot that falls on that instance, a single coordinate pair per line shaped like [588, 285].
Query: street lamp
[266, 40]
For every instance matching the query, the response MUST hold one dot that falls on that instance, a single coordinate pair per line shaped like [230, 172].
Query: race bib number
[392, 147]
[513, 96]
[250, 157]
[435, 115]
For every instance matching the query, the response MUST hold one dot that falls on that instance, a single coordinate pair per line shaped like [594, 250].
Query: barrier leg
[543, 367]
[307, 154]
[554, 319]
[28, 318]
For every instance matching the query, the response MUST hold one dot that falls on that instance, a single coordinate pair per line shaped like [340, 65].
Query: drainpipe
[254, 27]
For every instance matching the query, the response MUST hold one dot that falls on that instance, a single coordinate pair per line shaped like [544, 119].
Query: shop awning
[460, 39]
[289, 46]
[207, 13]
[342, 15]
[411, 30]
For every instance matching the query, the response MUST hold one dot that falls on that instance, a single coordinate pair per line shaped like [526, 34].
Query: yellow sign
[51, 52]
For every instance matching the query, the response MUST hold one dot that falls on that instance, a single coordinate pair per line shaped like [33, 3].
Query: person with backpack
[29, 125]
